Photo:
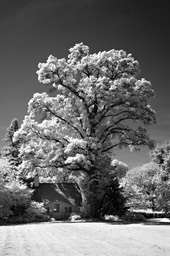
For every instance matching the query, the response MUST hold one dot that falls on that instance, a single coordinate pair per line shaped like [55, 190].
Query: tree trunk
[95, 203]
[153, 204]
[95, 207]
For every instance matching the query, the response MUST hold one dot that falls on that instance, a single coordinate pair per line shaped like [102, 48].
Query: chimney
[36, 181]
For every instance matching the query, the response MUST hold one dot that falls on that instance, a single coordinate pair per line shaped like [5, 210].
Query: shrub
[34, 213]
[14, 199]
[148, 214]
[20, 197]
[74, 216]
[16, 205]
[128, 216]
[111, 218]
[139, 217]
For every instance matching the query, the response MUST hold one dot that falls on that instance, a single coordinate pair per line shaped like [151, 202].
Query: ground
[88, 238]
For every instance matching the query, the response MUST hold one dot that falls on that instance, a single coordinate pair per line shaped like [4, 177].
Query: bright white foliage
[98, 96]
[6, 170]
[142, 186]
[12, 195]
[120, 168]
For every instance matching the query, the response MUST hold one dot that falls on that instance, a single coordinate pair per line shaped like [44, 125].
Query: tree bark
[95, 203]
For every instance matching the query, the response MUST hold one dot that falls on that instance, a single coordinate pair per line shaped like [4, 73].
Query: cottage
[60, 199]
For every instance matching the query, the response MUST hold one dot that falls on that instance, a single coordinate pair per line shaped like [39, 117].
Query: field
[89, 238]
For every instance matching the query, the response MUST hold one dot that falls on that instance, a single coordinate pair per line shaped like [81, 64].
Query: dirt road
[60, 239]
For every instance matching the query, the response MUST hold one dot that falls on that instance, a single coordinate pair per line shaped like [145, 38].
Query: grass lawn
[88, 238]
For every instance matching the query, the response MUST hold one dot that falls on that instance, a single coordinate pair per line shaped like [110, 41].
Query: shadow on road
[147, 222]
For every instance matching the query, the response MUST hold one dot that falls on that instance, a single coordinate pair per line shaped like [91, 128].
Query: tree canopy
[98, 105]
[148, 186]
[141, 187]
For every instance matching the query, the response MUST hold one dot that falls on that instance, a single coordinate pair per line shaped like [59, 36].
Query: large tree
[99, 105]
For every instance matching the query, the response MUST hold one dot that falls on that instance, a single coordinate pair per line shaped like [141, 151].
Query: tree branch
[64, 120]
[47, 137]
[75, 93]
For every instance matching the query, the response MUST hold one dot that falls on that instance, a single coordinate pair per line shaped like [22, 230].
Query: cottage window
[68, 209]
[56, 207]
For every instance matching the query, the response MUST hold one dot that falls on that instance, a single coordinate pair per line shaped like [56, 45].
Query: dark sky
[31, 30]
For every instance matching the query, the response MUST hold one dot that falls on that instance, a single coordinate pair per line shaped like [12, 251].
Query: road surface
[77, 239]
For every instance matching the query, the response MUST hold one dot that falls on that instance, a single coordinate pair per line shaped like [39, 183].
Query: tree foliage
[4, 196]
[161, 156]
[14, 126]
[11, 150]
[6, 173]
[113, 201]
[119, 168]
[98, 98]
[15, 198]
[143, 187]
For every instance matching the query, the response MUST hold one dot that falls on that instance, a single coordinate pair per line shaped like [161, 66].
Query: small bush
[74, 216]
[139, 217]
[15, 219]
[111, 218]
[167, 215]
[149, 214]
[128, 216]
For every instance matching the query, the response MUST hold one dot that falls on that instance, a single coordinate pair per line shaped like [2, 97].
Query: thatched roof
[61, 192]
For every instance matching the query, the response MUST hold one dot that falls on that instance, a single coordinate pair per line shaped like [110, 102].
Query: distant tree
[119, 168]
[11, 150]
[14, 196]
[141, 187]
[161, 156]
[4, 200]
[14, 126]
[6, 172]
[98, 97]
[113, 201]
